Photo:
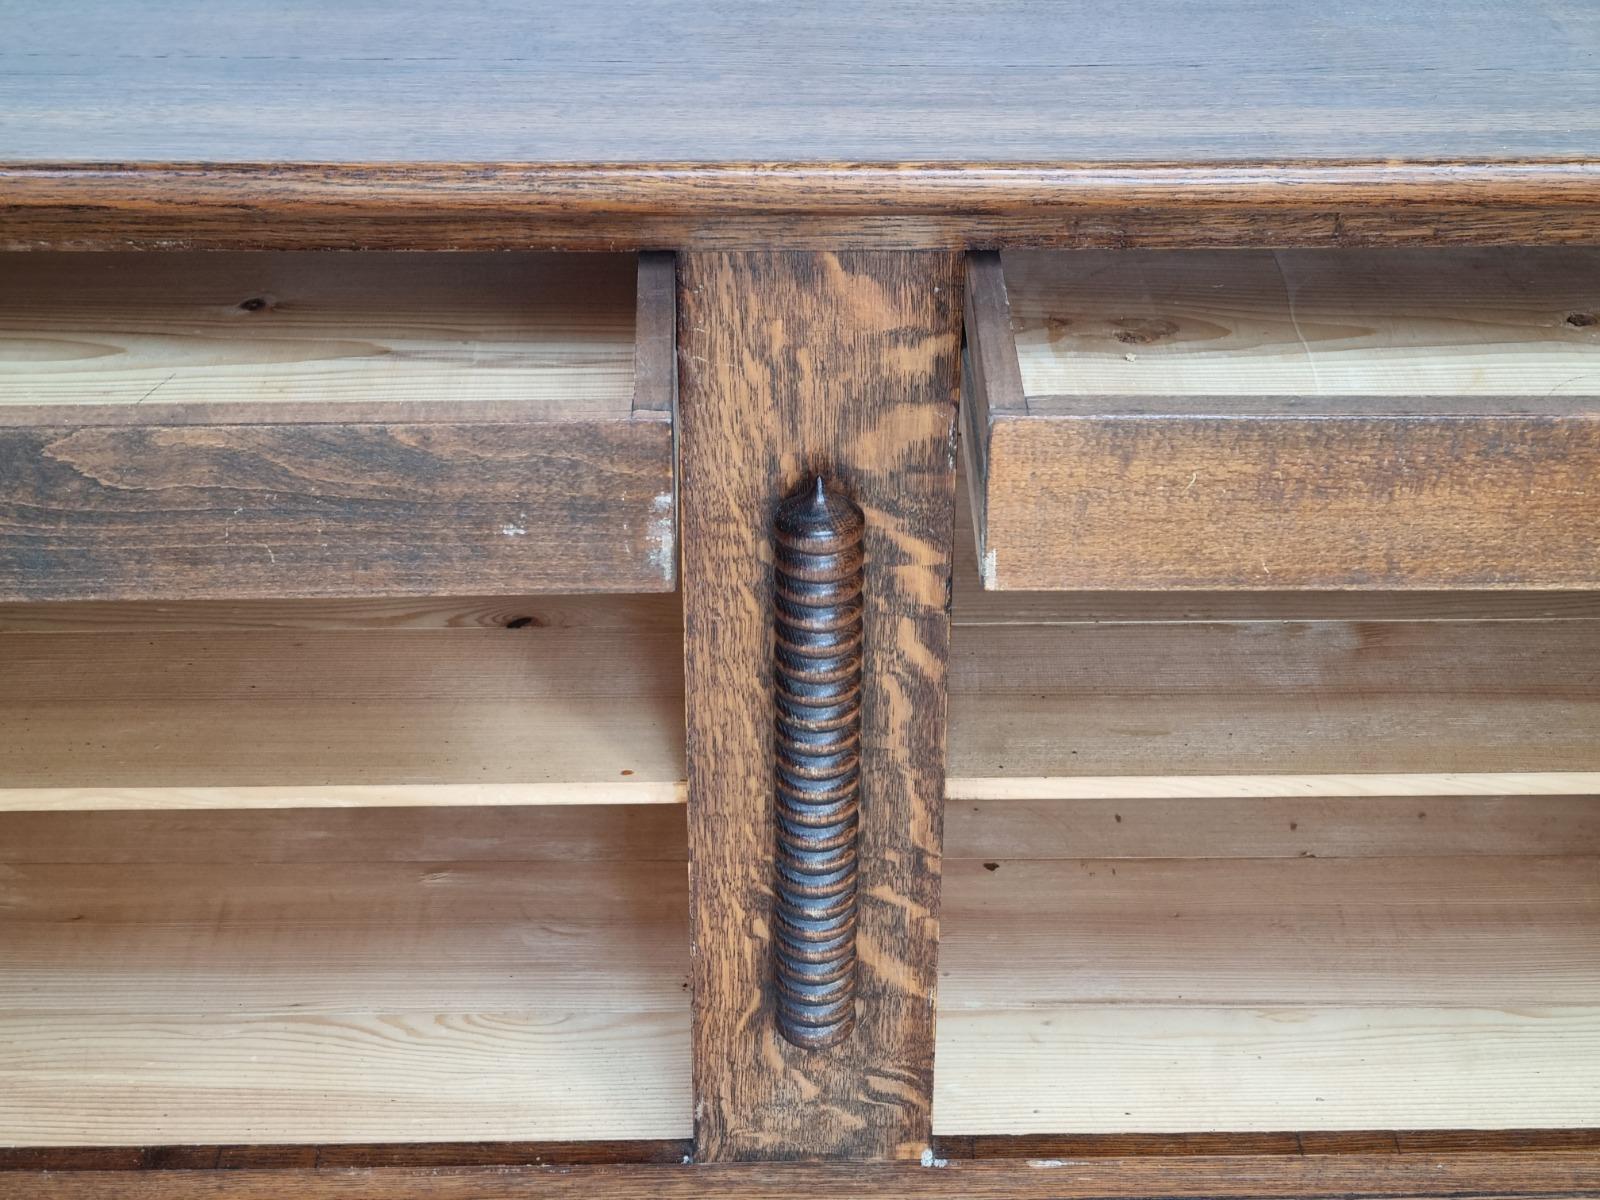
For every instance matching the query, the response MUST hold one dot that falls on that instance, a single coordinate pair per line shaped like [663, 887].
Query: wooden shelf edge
[1214, 787]
[444, 795]
[835, 205]
[1548, 1175]
[1102, 787]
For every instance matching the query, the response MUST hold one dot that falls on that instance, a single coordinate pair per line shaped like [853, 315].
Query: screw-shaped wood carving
[817, 562]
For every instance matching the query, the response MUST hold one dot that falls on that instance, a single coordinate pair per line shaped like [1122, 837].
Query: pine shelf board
[554, 334]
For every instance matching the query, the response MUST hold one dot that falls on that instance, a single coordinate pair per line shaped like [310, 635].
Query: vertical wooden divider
[847, 365]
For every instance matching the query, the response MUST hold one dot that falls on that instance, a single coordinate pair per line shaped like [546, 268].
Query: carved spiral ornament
[818, 576]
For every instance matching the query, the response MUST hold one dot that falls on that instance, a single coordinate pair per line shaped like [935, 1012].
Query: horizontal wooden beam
[94, 506]
[734, 206]
[1546, 1175]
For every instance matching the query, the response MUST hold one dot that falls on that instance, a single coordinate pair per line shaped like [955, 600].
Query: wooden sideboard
[901, 600]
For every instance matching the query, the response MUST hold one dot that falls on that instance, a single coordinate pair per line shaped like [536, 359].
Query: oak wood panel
[1458, 932]
[1492, 1175]
[171, 512]
[1297, 494]
[847, 365]
[1485, 323]
[341, 1156]
[823, 206]
[193, 426]
[1309, 1142]
[1366, 488]
[975, 605]
[966, 1148]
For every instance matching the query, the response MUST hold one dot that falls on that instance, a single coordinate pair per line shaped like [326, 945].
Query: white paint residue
[990, 568]
[663, 535]
[928, 1160]
[509, 530]
[1046, 1162]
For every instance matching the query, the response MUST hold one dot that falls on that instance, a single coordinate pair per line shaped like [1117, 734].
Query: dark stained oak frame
[796, 205]
[1451, 1174]
[793, 365]
[373, 498]
[1301, 492]
[749, 434]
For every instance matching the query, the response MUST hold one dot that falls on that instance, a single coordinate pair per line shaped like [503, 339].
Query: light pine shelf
[1487, 323]
[579, 700]
[303, 978]
[1325, 991]
[553, 333]
[415, 974]
[562, 701]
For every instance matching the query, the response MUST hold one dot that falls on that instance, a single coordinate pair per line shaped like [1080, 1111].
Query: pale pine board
[415, 997]
[1271, 827]
[1121, 828]
[439, 937]
[1406, 932]
[554, 332]
[575, 712]
[106, 1079]
[1470, 323]
[1137, 1069]
[234, 1001]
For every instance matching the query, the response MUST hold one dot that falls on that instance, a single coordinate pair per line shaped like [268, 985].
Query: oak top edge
[823, 187]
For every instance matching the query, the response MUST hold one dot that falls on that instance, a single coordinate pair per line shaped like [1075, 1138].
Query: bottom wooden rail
[1545, 1175]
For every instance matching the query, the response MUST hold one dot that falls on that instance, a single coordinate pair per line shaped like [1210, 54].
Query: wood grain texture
[1310, 1142]
[552, 713]
[1126, 1068]
[403, 998]
[556, 333]
[1199, 709]
[1271, 827]
[1254, 492]
[1063, 81]
[465, 139]
[986, 831]
[377, 426]
[1488, 323]
[1440, 932]
[628, 833]
[584, 706]
[343, 1155]
[845, 364]
[822, 206]
[289, 955]
[965, 1148]
[1490, 1175]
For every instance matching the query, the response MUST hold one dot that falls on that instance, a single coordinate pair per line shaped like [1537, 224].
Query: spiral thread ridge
[818, 579]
